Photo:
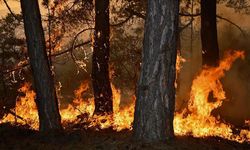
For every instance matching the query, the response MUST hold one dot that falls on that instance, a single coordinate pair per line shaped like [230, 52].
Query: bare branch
[14, 114]
[11, 12]
[74, 41]
[16, 68]
[234, 24]
[185, 26]
[70, 49]
[26, 64]
[189, 15]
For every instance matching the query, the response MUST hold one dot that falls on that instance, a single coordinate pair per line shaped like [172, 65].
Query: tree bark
[46, 100]
[155, 104]
[100, 59]
[210, 48]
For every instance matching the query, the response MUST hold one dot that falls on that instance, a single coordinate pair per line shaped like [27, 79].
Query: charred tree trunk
[100, 59]
[155, 104]
[210, 48]
[47, 104]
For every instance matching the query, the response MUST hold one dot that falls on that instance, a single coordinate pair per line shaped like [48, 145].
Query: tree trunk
[47, 104]
[3, 85]
[210, 48]
[100, 59]
[155, 104]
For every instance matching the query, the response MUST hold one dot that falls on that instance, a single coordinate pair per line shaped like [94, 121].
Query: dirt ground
[21, 138]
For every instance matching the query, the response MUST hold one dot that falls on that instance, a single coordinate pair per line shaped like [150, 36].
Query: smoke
[236, 82]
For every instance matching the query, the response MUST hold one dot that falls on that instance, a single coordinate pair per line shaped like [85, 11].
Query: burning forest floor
[21, 137]
[195, 126]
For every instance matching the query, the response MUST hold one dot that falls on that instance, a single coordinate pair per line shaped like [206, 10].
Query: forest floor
[21, 138]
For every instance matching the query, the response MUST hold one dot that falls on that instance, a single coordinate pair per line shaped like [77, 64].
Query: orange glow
[25, 108]
[196, 119]
[80, 110]
[206, 95]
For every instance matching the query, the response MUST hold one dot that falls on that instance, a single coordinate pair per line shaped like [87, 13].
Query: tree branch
[220, 17]
[11, 12]
[74, 41]
[15, 115]
[185, 26]
[26, 64]
[234, 24]
[189, 15]
[70, 49]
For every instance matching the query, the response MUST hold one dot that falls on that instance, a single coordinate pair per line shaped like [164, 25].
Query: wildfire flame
[25, 110]
[196, 120]
[80, 109]
[206, 95]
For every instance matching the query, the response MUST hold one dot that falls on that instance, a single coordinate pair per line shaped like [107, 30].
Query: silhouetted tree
[210, 48]
[100, 59]
[155, 104]
[49, 117]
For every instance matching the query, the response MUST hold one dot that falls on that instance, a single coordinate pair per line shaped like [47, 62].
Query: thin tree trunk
[100, 59]
[4, 91]
[47, 104]
[210, 48]
[155, 104]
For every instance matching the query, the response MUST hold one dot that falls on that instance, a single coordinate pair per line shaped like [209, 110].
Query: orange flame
[197, 120]
[206, 95]
[25, 110]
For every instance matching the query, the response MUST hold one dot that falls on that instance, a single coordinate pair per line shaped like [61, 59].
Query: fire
[206, 95]
[179, 61]
[25, 111]
[84, 109]
[79, 106]
[81, 110]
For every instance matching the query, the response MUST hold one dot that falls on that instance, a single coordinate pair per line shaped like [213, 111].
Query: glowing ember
[206, 95]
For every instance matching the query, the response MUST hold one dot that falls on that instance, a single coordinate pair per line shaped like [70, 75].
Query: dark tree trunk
[210, 48]
[3, 85]
[49, 117]
[100, 59]
[155, 104]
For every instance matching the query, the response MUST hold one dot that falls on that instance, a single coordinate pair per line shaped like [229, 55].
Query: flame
[81, 110]
[206, 95]
[197, 120]
[179, 61]
[25, 111]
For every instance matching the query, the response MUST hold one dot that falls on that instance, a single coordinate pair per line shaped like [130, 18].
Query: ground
[19, 137]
